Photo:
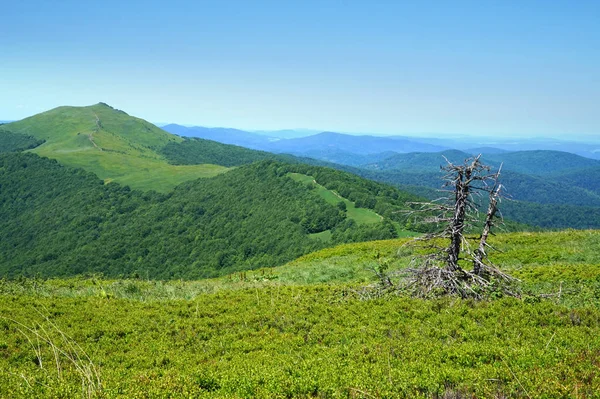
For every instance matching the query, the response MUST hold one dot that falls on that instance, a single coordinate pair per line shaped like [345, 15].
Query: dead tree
[480, 254]
[441, 271]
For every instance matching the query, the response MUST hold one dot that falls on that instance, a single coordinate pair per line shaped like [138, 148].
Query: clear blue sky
[471, 67]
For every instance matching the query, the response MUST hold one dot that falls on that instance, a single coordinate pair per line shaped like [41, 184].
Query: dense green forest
[532, 200]
[194, 151]
[551, 201]
[588, 178]
[56, 220]
[10, 142]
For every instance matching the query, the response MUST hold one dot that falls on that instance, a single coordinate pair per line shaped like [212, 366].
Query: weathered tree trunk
[487, 227]
[458, 222]
[462, 186]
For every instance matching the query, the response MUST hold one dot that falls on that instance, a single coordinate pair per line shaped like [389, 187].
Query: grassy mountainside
[56, 220]
[301, 331]
[111, 144]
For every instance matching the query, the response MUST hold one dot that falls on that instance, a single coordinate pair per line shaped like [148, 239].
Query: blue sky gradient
[529, 68]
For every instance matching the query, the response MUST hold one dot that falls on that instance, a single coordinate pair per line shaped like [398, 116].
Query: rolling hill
[56, 220]
[543, 162]
[551, 189]
[111, 144]
[539, 162]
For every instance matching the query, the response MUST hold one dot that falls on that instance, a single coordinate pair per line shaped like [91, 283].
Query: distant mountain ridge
[222, 135]
[538, 162]
[307, 145]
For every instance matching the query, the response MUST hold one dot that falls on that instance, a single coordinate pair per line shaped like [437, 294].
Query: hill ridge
[110, 143]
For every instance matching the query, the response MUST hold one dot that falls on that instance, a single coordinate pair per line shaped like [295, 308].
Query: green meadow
[304, 330]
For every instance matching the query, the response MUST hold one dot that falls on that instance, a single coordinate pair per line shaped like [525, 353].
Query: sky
[515, 68]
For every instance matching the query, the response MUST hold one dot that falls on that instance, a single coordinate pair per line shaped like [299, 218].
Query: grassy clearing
[359, 215]
[299, 331]
[323, 235]
[136, 172]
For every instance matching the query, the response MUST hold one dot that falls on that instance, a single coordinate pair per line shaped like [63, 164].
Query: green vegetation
[194, 151]
[111, 144]
[588, 179]
[549, 189]
[301, 331]
[542, 162]
[11, 142]
[59, 221]
[535, 201]
[359, 215]
[539, 163]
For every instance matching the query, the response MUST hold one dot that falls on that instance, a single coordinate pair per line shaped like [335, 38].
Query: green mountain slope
[588, 178]
[56, 220]
[111, 144]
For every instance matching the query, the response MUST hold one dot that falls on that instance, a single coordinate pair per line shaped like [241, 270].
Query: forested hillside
[10, 142]
[55, 220]
[195, 151]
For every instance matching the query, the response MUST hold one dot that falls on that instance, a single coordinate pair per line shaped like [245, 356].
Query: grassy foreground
[300, 331]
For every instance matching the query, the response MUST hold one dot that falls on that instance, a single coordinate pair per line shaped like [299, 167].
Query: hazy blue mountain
[589, 148]
[485, 150]
[221, 135]
[287, 133]
[347, 158]
[542, 162]
[419, 161]
[350, 144]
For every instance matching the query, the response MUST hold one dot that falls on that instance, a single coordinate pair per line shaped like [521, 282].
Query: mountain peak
[102, 105]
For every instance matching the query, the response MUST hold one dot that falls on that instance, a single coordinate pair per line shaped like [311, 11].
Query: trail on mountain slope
[96, 130]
